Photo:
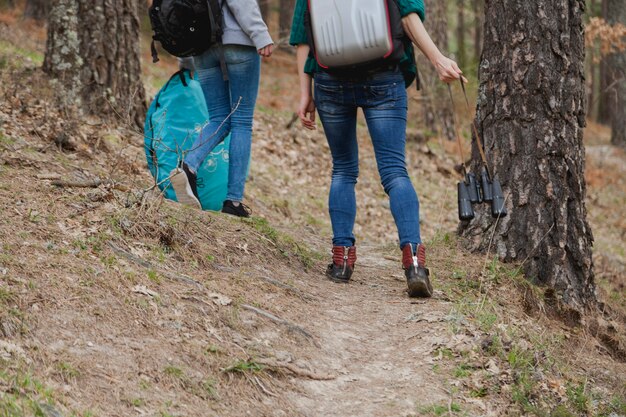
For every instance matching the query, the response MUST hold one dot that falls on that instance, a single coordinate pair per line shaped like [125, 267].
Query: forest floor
[114, 302]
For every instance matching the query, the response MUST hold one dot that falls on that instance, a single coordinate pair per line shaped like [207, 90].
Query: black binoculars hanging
[472, 191]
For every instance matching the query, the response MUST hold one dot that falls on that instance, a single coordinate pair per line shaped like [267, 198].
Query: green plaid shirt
[407, 63]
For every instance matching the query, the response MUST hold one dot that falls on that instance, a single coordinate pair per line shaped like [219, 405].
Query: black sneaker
[184, 183]
[344, 258]
[240, 210]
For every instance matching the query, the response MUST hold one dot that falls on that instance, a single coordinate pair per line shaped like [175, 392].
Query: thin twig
[90, 184]
[290, 326]
[287, 287]
[296, 370]
[265, 390]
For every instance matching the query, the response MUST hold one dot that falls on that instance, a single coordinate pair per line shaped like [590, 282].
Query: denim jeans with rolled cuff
[383, 98]
[244, 67]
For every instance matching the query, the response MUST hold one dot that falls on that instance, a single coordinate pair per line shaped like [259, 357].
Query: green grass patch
[287, 246]
[439, 409]
[67, 371]
[241, 366]
[10, 49]
[174, 372]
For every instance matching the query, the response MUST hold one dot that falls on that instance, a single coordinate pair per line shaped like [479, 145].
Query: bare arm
[414, 28]
[306, 108]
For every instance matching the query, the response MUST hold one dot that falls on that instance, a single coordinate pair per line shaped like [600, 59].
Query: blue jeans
[244, 68]
[384, 102]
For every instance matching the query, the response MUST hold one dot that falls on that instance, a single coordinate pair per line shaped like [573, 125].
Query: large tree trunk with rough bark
[37, 9]
[530, 115]
[93, 50]
[285, 17]
[617, 62]
[436, 104]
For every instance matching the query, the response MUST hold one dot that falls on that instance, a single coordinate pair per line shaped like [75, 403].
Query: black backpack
[185, 27]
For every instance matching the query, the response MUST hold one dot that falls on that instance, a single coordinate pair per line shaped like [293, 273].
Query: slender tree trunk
[460, 34]
[93, 49]
[607, 98]
[478, 29]
[37, 9]
[437, 112]
[591, 70]
[531, 114]
[285, 17]
[265, 10]
[617, 63]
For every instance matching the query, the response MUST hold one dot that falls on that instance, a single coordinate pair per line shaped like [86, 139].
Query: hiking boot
[184, 183]
[414, 264]
[239, 210]
[344, 258]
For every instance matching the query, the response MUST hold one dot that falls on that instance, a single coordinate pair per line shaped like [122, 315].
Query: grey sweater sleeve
[186, 63]
[248, 16]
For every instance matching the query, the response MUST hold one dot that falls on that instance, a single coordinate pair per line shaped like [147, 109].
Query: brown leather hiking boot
[414, 264]
[344, 258]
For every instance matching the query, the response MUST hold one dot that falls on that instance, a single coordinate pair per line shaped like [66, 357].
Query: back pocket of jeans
[382, 96]
[328, 98]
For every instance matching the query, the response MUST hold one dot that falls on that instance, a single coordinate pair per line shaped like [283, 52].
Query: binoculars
[472, 191]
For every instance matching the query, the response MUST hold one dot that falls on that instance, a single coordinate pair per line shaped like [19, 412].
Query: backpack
[185, 27]
[355, 35]
[173, 122]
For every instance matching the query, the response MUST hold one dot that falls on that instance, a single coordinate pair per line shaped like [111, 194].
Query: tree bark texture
[37, 9]
[530, 115]
[93, 49]
[436, 104]
[285, 17]
[617, 63]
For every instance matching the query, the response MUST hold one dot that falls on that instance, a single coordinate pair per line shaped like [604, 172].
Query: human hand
[448, 70]
[306, 112]
[267, 50]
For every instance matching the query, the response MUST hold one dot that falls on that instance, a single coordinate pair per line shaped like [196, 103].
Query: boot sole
[338, 280]
[181, 187]
[419, 288]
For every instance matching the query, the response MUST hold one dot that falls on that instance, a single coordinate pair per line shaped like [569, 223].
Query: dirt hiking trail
[377, 342]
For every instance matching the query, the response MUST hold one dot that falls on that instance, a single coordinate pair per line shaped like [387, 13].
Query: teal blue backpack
[173, 122]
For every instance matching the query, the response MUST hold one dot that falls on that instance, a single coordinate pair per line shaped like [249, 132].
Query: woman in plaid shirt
[381, 93]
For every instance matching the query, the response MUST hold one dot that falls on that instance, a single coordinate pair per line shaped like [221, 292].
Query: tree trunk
[478, 29]
[37, 9]
[437, 112]
[591, 71]
[460, 34]
[264, 5]
[617, 63]
[607, 98]
[530, 115]
[285, 17]
[93, 49]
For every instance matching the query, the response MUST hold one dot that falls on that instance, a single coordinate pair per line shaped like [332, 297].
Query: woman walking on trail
[381, 92]
[230, 102]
